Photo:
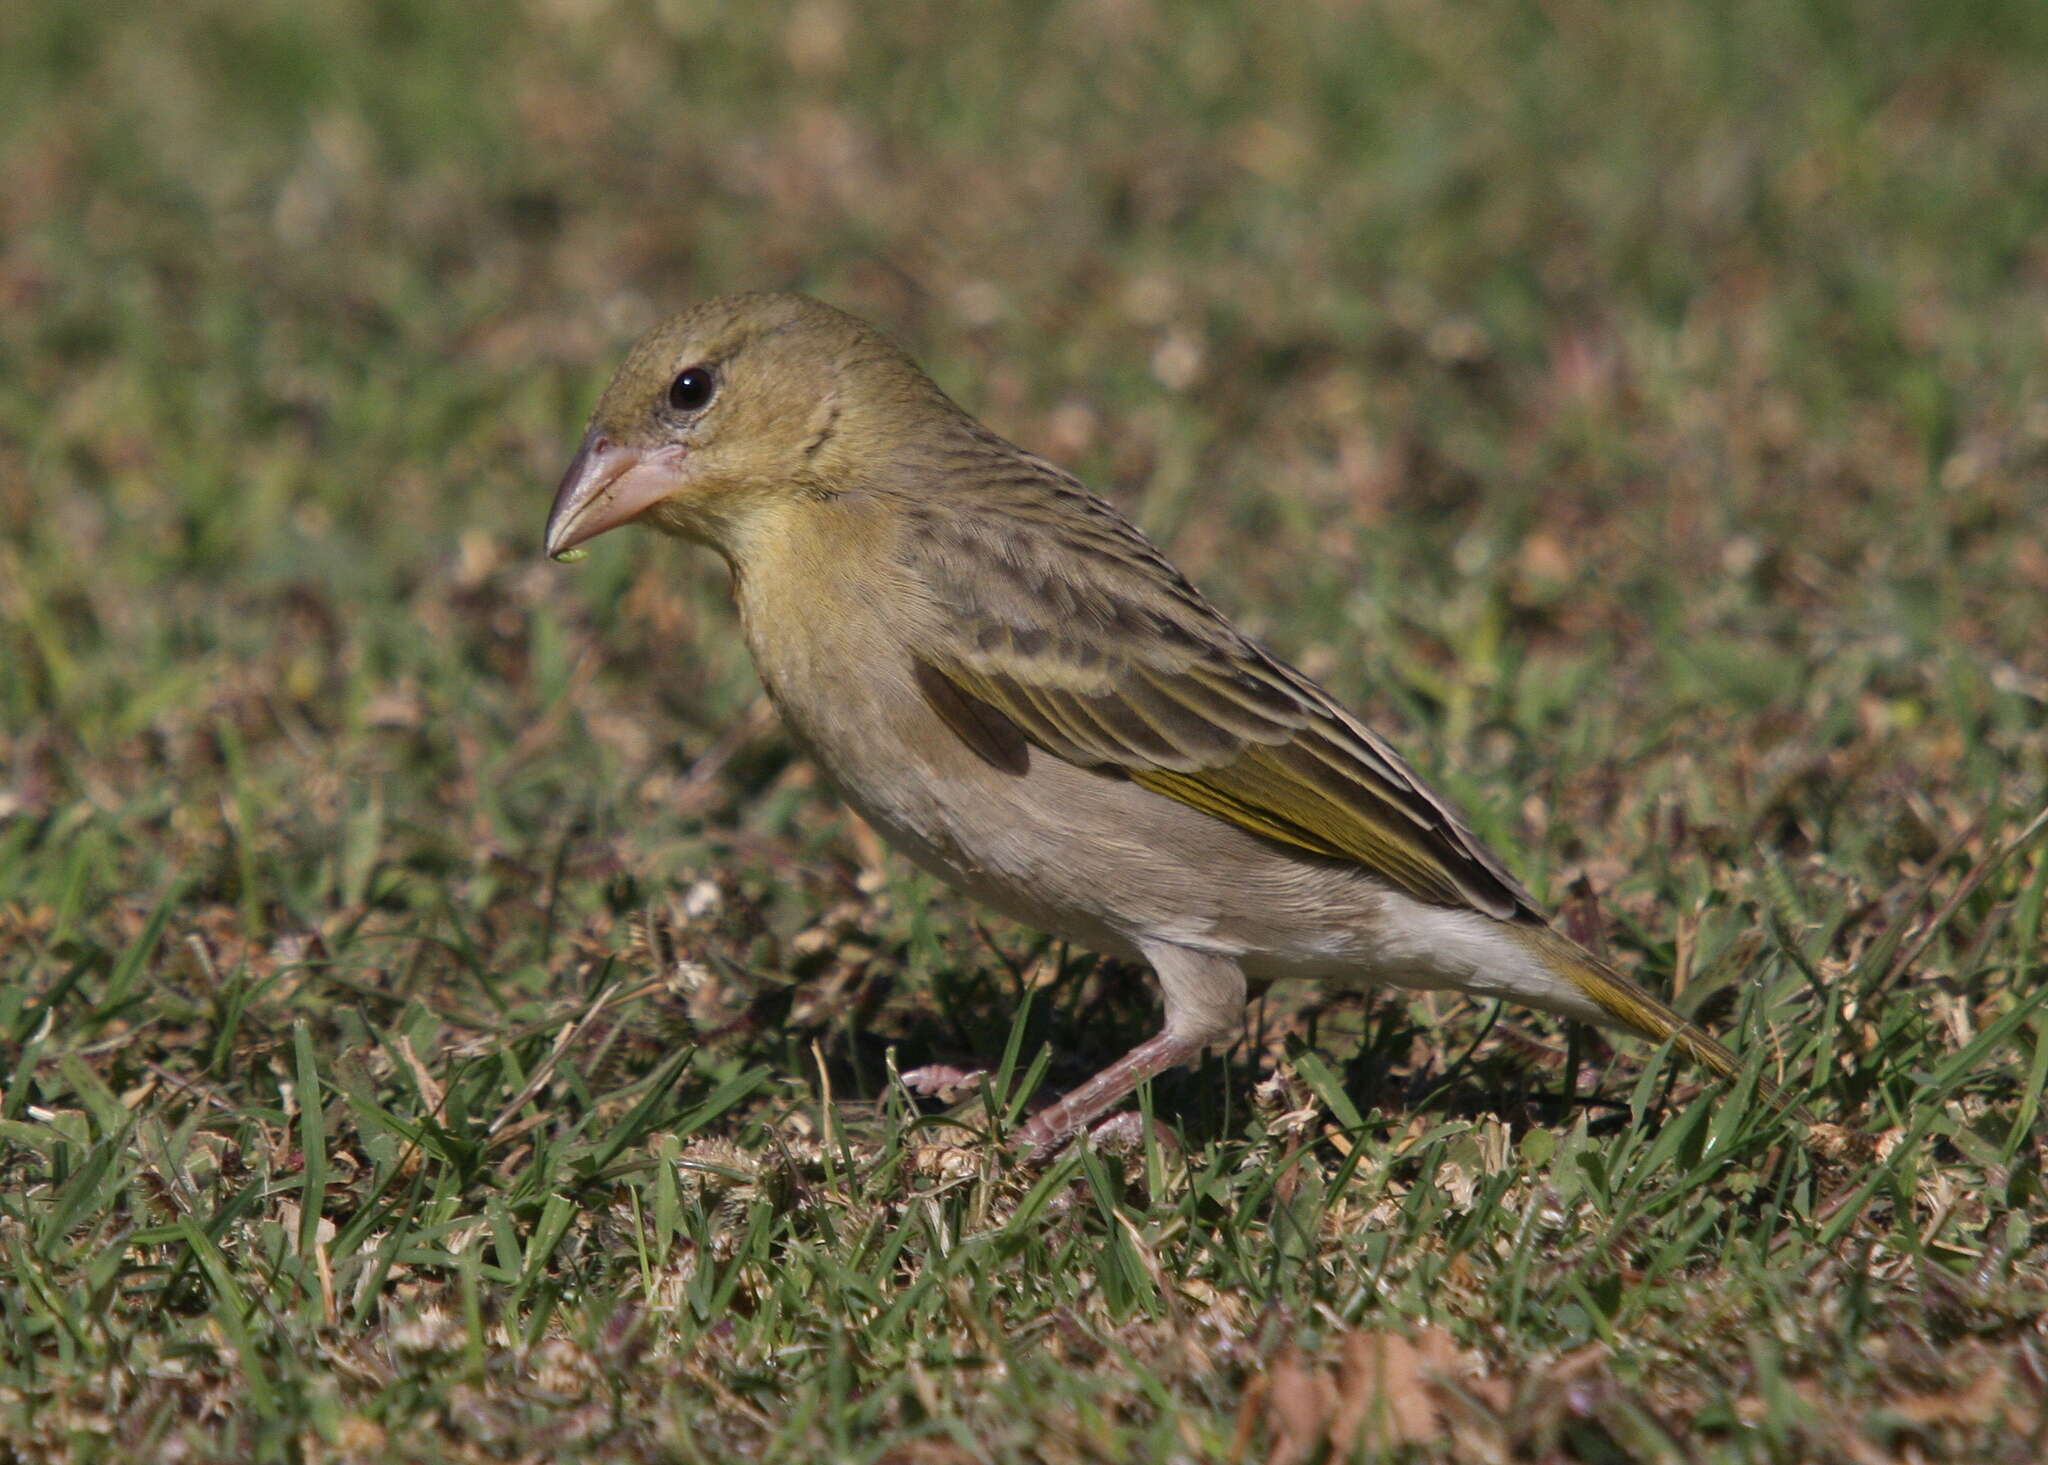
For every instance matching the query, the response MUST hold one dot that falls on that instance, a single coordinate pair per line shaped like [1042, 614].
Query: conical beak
[607, 485]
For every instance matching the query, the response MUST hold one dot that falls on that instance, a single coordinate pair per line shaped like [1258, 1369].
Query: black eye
[692, 389]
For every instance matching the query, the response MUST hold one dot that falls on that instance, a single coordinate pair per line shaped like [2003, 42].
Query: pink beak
[608, 484]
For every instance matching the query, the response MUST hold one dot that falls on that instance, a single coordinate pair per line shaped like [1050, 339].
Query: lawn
[443, 1017]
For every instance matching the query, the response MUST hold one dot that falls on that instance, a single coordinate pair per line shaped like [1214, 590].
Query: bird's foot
[1121, 1135]
[943, 1081]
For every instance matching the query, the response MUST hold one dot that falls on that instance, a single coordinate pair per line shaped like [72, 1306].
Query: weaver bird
[1011, 683]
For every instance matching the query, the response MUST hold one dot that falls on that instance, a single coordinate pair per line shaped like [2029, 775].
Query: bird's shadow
[1085, 1011]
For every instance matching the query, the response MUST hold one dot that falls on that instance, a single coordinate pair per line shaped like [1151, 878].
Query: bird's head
[730, 410]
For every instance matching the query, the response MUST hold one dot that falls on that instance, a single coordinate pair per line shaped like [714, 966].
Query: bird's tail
[1626, 1005]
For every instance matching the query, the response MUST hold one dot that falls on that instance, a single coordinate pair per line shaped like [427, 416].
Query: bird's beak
[607, 484]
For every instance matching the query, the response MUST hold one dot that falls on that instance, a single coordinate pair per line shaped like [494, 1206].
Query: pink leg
[1101, 1093]
[1204, 1002]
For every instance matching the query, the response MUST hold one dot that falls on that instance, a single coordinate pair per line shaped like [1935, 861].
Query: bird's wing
[1058, 624]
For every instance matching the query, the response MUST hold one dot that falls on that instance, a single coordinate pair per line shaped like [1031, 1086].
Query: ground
[444, 1018]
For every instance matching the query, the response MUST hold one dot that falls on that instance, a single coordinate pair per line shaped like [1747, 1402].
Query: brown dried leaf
[1386, 1390]
[1297, 1401]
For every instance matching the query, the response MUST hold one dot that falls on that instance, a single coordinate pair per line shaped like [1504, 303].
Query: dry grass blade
[1968, 886]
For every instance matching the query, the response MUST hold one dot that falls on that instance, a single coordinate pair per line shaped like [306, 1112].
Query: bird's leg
[1083, 1105]
[1204, 1002]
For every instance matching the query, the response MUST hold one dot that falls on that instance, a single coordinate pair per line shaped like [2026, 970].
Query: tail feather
[1628, 1006]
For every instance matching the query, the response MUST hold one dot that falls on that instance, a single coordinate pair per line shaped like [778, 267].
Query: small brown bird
[1011, 682]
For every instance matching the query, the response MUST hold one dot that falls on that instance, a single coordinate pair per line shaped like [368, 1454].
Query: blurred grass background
[1641, 410]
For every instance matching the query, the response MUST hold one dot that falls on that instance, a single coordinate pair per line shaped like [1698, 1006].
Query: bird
[1014, 685]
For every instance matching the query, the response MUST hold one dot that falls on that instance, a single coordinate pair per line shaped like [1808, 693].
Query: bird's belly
[1092, 857]
[1027, 885]
[1113, 866]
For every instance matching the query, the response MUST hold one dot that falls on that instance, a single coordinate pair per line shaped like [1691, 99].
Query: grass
[444, 1018]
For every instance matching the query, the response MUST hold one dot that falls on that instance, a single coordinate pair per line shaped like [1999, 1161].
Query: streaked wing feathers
[1058, 616]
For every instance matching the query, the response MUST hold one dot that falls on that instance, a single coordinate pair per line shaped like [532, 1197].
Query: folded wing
[1060, 625]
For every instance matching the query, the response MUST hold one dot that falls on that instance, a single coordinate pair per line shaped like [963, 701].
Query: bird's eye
[692, 389]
